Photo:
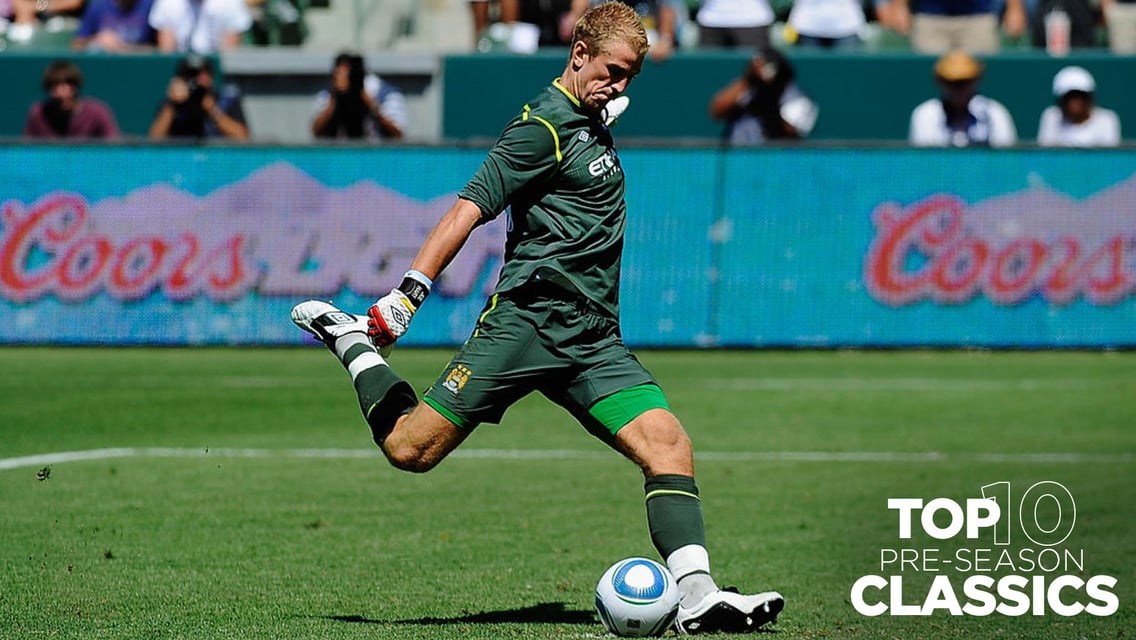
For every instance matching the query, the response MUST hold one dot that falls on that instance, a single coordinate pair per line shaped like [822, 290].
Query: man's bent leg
[656, 441]
[413, 437]
[419, 440]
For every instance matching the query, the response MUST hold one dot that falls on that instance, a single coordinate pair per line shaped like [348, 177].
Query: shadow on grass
[545, 613]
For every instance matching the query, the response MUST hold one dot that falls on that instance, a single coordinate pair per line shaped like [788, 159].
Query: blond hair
[610, 22]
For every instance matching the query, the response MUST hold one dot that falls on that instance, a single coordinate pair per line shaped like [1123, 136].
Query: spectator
[734, 24]
[1075, 19]
[1076, 121]
[482, 14]
[960, 117]
[479, 12]
[29, 15]
[659, 21]
[940, 26]
[116, 26]
[358, 104]
[826, 24]
[64, 114]
[195, 108]
[764, 103]
[276, 22]
[554, 19]
[199, 26]
[1120, 19]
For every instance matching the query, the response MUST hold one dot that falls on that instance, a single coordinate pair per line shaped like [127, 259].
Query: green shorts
[566, 350]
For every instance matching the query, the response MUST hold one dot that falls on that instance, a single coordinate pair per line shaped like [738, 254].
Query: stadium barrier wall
[132, 86]
[861, 95]
[739, 248]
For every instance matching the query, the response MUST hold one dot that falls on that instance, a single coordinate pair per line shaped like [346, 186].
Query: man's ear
[579, 55]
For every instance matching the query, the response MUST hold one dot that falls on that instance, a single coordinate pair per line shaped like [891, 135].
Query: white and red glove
[390, 316]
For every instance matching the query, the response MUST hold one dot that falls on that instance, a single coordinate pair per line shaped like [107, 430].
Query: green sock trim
[671, 492]
[447, 414]
[670, 484]
[621, 407]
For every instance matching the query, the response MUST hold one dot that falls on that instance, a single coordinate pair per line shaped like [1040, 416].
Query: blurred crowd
[196, 106]
[925, 26]
[134, 26]
[763, 102]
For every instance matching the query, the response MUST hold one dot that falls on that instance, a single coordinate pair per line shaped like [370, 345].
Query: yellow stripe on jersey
[556, 83]
[552, 129]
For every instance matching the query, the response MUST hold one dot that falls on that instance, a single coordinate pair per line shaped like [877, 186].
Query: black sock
[383, 397]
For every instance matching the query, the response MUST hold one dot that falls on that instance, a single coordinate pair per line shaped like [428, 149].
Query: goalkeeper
[552, 324]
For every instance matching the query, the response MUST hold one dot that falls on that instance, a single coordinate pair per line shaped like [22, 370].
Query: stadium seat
[1021, 43]
[878, 38]
[281, 22]
[437, 25]
[39, 39]
[365, 25]
[401, 25]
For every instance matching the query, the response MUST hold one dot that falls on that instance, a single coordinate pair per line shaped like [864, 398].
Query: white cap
[1073, 79]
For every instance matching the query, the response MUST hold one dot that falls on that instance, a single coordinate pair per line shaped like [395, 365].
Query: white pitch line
[567, 454]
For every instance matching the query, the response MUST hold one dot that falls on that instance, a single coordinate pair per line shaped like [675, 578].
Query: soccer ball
[637, 597]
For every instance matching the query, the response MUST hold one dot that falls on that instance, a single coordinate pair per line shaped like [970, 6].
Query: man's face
[341, 75]
[1076, 106]
[761, 70]
[203, 78]
[65, 92]
[957, 94]
[604, 75]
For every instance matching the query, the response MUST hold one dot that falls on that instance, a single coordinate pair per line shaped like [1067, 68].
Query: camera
[196, 92]
[355, 74]
[189, 69]
[356, 71]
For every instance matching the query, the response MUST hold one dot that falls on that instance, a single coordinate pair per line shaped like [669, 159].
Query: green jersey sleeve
[527, 153]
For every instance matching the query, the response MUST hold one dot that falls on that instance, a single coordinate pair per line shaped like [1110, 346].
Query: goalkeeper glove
[615, 108]
[389, 318]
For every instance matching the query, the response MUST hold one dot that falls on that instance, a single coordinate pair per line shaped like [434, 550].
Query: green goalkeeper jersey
[556, 170]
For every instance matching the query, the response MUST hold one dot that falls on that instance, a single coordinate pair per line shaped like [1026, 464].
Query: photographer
[764, 103]
[64, 113]
[358, 104]
[196, 108]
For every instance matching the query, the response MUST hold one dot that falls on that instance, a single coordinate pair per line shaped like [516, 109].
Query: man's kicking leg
[657, 443]
[414, 437]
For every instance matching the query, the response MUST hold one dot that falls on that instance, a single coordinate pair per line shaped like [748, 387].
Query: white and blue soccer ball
[637, 597]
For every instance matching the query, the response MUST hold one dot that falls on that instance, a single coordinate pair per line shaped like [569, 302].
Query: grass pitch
[234, 493]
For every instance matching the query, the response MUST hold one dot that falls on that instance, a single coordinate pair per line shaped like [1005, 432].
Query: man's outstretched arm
[390, 316]
[447, 238]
